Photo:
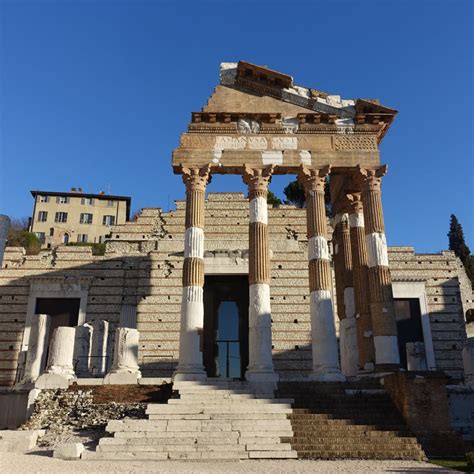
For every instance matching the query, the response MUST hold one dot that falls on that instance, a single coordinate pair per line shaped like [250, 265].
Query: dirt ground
[42, 462]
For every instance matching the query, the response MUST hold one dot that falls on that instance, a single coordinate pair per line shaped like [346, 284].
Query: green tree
[294, 193]
[273, 200]
[18, 236]
[458, 245]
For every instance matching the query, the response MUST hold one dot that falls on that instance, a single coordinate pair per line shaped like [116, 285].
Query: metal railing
[227, 343]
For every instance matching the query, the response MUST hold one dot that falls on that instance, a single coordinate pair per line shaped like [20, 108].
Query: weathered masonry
[228, 286]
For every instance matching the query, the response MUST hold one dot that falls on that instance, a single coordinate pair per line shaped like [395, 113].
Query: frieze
[355, 142]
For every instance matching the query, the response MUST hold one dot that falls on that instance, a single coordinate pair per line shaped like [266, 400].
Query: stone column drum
[190, 366]
[380, 282]
[125, 368]
[365, 341]
[324, 341]
[60, 371]
[37, 347]
[260, 368]
[82, 349]
[345, 294]
[4, 228]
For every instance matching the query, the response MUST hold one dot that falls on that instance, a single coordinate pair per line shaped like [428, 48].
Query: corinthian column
[365, 338]
[260, 366]
[190, 366]
[380, 283]
[345, 292]
[324, 341]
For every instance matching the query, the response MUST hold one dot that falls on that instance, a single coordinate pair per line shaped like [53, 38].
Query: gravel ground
[42, 461]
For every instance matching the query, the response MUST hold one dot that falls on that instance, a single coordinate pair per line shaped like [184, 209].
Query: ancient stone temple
[254, 302]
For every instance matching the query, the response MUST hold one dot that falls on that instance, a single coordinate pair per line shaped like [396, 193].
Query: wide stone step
[230, 408]
[215, 401]
[358, 454]
[162, 455]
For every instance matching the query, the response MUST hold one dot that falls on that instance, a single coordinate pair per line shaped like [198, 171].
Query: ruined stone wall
[142, 267]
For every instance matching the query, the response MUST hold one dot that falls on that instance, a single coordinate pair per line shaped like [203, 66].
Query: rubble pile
[63, 413]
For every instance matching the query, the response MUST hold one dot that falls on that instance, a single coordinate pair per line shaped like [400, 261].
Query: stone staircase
[351, 420]
[224, 420]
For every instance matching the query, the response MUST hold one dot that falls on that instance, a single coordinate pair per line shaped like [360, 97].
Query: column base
[335, 376]
[189, 375]
[122, 378]
[54, 380]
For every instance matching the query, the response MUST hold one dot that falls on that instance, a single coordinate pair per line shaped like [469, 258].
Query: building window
[62, 199]
[87, 201]
[66, 238]
[110, 203]
[40, 236]
[51, 231]
[82, 238]
[42, 216]
[43, 198]
[86, 218]
[60, 217]
[108, 220]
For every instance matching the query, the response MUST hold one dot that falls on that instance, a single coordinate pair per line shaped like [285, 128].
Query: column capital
[313, 179]
[370, 179]
[258, 179]
[355, 205]
[196, 179]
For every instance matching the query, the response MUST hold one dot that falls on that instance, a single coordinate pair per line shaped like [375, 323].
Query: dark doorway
[62, 311]
[408, 316]
[226, 325]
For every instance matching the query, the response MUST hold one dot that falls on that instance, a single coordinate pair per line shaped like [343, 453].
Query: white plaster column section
[323, 330]
[417, 289]
[61, 351]
[190, 365]
[416, 359]
[125, 368]
[99, 351]
[4, 228]
[260, 368]
[37, 348]
[380, 283]
[82, 349]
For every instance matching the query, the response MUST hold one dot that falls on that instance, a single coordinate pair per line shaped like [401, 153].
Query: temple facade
[228, 286]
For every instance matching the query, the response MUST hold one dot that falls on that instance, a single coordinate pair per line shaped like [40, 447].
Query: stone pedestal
[323, 330]
[60, 371]
[82, 349]
[37, 347]
[4, 228]
[190, 366]
[260, 368]
[348, 345]
[125, 368]
[99, 351]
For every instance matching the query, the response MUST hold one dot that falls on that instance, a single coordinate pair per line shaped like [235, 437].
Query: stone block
[19, 440]
[273, 455]
[121, 378]
[58, 381]
[70, 451]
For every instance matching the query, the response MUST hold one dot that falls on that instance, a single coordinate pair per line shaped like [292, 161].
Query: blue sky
[96, 93]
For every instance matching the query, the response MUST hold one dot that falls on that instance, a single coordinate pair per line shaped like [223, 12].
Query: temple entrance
[62, 312]
[226, 325]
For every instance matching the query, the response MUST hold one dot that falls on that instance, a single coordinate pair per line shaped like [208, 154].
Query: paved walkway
[16, 463]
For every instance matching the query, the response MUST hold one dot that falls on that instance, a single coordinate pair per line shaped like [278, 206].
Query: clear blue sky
[96, 93]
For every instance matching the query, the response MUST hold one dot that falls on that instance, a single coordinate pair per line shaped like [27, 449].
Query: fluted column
[37, 347]
[190, 366]
[365, 338]
[345, 292]
[125, 368]
[324, 341]
[260, 366]
[380, 282]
